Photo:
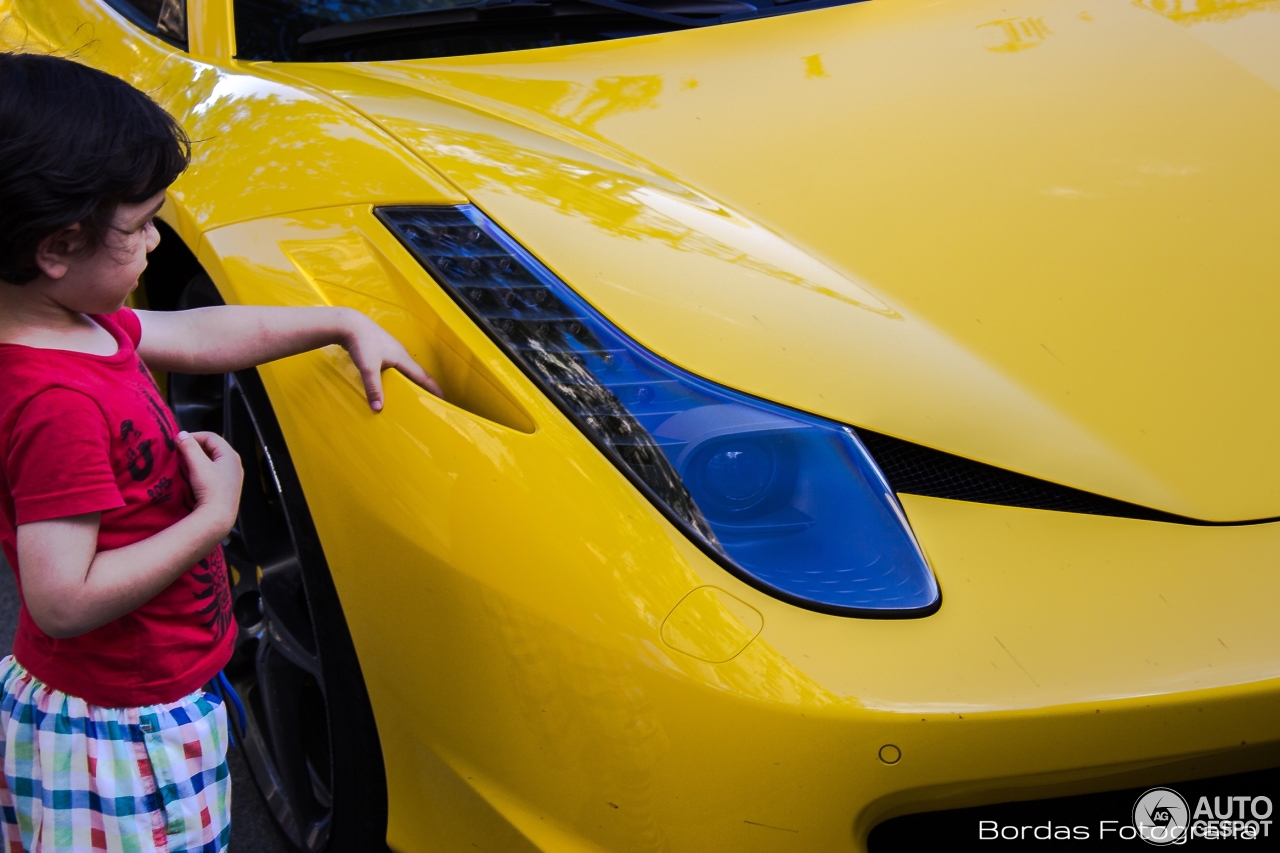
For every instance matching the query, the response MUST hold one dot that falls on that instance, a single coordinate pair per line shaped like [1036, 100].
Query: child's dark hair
[74, 144]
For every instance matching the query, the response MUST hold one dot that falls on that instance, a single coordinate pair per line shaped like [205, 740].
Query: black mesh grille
[917, 470]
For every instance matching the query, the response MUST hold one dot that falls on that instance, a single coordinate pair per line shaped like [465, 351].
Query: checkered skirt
[78, 777]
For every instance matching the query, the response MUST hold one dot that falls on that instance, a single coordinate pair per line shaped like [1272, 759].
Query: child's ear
[55, 252]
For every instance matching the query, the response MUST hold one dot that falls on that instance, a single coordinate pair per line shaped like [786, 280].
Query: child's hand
[215, 474]
[227, 338]
[372, 350]
[71, 587]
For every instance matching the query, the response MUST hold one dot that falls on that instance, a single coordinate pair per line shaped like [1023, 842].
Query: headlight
[791, 503]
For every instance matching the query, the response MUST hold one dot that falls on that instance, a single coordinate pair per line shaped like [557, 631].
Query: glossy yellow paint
[536, 637]
[512, 597]
[711, 625]
[211, 31]
[1068, 209]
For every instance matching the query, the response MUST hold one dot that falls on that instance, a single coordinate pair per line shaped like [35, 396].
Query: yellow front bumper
[507, 591]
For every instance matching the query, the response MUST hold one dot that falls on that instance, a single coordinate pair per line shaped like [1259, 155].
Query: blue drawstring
[216, 689]
[221, 684]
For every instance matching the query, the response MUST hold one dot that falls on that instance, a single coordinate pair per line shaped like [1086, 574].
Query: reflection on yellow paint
[582, 105]
[342, 259]
[310, 142]
[813, 66]
[1187, 12]
[711, 625]
[596, 709]
[15, 35]
[608, 96]
[623, 203]
[1018, 33]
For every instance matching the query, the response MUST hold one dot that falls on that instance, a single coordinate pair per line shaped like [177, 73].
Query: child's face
[99, 283]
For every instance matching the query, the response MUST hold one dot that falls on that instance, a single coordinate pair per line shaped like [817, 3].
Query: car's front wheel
[307, 730]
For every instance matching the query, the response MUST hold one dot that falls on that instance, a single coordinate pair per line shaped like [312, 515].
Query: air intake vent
[917, 470]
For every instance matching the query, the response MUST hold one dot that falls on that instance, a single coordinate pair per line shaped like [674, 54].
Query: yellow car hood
[1044, 235]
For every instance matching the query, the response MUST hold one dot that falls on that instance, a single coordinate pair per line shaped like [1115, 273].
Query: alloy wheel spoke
[287, 625]
[282, 690]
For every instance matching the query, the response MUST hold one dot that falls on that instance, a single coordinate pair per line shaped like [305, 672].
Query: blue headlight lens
[791, 503]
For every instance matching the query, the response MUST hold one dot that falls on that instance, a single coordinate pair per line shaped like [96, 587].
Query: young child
[111, 518]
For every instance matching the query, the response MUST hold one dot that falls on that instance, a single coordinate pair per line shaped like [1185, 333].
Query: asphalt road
[252, 829]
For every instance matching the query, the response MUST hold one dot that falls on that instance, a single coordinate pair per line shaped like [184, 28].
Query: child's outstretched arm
[233, 337]
[70, 587]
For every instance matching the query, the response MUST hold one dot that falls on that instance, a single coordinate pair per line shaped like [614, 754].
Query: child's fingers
[192, 449]
[418, 376]
[372, 378]
[215, 446]
[431, 385]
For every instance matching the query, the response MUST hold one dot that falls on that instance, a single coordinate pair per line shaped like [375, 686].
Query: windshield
[366, 30]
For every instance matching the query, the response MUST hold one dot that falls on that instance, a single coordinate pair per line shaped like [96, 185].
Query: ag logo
[1161, 817]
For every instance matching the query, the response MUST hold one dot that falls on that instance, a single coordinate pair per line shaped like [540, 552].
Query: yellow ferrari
[853, 409]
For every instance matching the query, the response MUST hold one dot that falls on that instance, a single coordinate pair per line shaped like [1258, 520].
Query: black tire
[309, 737]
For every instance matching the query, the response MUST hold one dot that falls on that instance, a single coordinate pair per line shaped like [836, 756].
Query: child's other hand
[373, 350]
[215, 474]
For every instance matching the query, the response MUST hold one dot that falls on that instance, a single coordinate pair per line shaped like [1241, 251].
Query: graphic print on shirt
[159, 412]
[137, 453]
[212, 572]
[161, 491]
[213, 592]
[149, 394]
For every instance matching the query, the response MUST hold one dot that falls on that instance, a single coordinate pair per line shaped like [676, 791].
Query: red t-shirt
[84, 433]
